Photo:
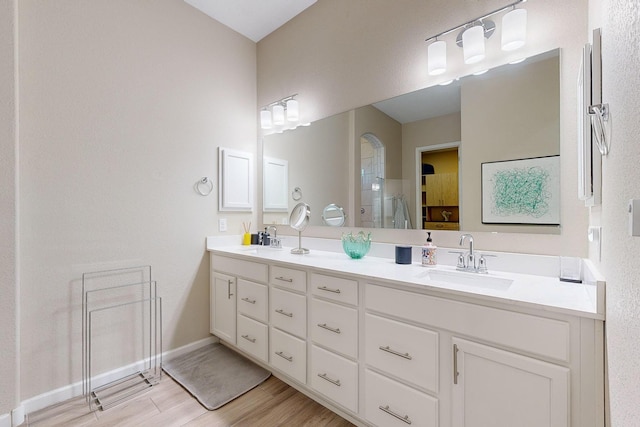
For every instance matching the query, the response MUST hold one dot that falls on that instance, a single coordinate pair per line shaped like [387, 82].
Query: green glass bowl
[356, 246]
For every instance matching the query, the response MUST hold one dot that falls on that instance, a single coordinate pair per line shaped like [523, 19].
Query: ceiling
[254, 19]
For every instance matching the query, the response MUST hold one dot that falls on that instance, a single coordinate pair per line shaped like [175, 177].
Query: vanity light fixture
[473, 35]
[265, 119]
[437, 57]
[473, 44]
[514, 29]
[278, 114]
[275, 113]
[293, 114]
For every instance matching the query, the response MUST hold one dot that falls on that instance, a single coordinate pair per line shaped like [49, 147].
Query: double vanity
[385, 344]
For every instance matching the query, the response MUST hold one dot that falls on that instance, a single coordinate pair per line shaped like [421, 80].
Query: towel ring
[296, 194]
[204, 186]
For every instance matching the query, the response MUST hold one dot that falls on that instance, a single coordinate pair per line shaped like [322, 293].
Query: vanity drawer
[240, 268]
[335, 288]
[252, 300]
[334, 326]
[405, 351]
[252, 337]
[289, 355]
[545, 337]
[335, 377]
[288, 278]
[387, 403]
[289, 311]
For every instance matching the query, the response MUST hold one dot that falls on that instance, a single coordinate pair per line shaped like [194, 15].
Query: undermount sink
[469, 279]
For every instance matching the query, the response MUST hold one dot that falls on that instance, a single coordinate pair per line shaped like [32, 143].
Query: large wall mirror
[415, 161]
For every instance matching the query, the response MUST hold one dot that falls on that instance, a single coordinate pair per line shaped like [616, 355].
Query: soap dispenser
[429, 252]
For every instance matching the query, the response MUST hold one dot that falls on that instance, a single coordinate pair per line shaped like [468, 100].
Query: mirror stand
[299, 250]
[298, 221]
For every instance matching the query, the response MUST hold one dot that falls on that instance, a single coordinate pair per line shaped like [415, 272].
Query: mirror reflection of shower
[383, 200]
[372, 174]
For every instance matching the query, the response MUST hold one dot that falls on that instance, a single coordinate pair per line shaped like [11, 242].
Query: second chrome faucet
[468, 261]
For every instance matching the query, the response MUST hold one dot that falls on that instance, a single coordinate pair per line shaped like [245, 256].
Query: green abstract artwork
[524, 191]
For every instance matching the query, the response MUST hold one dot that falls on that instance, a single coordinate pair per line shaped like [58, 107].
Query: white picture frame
[235, 175]
[523, 191]
[275, 184]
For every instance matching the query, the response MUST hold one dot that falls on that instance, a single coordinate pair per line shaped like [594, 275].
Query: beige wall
[340, 55]
[122, 107]
[9, 338]
[530, 130]
[620, 22]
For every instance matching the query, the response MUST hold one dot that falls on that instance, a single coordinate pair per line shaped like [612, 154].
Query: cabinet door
[498, 388]
[223, 305]
[433, 190]
[449, 189]
[441, 189]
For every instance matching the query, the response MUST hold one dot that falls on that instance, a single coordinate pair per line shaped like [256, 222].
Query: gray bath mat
[215, 375]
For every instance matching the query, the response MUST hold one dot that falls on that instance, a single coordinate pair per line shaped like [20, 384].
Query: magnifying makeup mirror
[333, 215]
[298, 221]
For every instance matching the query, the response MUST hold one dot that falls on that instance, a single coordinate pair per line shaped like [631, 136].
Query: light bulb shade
[265, 119]
[278, 115]
[473, 44]
[293, 114]
[514, 29]
[437, 58]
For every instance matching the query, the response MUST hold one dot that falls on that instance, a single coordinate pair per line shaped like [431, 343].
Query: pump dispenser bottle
[429, 253]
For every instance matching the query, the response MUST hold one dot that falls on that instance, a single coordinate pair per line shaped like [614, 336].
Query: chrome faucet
[469, 261]
[274, 242]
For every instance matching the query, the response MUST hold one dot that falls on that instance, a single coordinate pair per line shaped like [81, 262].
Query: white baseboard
[14, 418]
[18, 416]
[73, 390]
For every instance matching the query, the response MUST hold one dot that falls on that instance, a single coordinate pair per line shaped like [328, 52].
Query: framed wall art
[524, 191]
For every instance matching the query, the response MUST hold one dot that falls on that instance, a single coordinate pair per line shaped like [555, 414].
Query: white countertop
[526, 290]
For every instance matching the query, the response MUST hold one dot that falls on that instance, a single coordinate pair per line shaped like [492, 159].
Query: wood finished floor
[272, 403]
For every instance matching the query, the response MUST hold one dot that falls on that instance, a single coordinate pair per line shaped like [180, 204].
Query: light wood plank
[272, 403]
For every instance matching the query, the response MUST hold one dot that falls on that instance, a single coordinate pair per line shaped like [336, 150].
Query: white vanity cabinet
[493, 387]
[500, 368]
[252, 330]
[383, 352]
[288, 320]
[223, 306]
[238, 302]
[333, 330]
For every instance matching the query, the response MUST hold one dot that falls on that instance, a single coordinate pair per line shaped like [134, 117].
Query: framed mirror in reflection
[417, 157]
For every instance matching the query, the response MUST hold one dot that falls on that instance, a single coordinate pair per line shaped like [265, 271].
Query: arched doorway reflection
[371, 181]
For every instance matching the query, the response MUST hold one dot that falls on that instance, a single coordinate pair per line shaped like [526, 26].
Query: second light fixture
[473, 35]
[279, 112]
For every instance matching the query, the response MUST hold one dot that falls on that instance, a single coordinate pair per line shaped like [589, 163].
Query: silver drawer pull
[326, 378]
[398, 416]
[281, 354]
[284, 313]
[329, 328]
[284, 279]
[397, 353]
[248, 338]
[250, 301]
[324, 288]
